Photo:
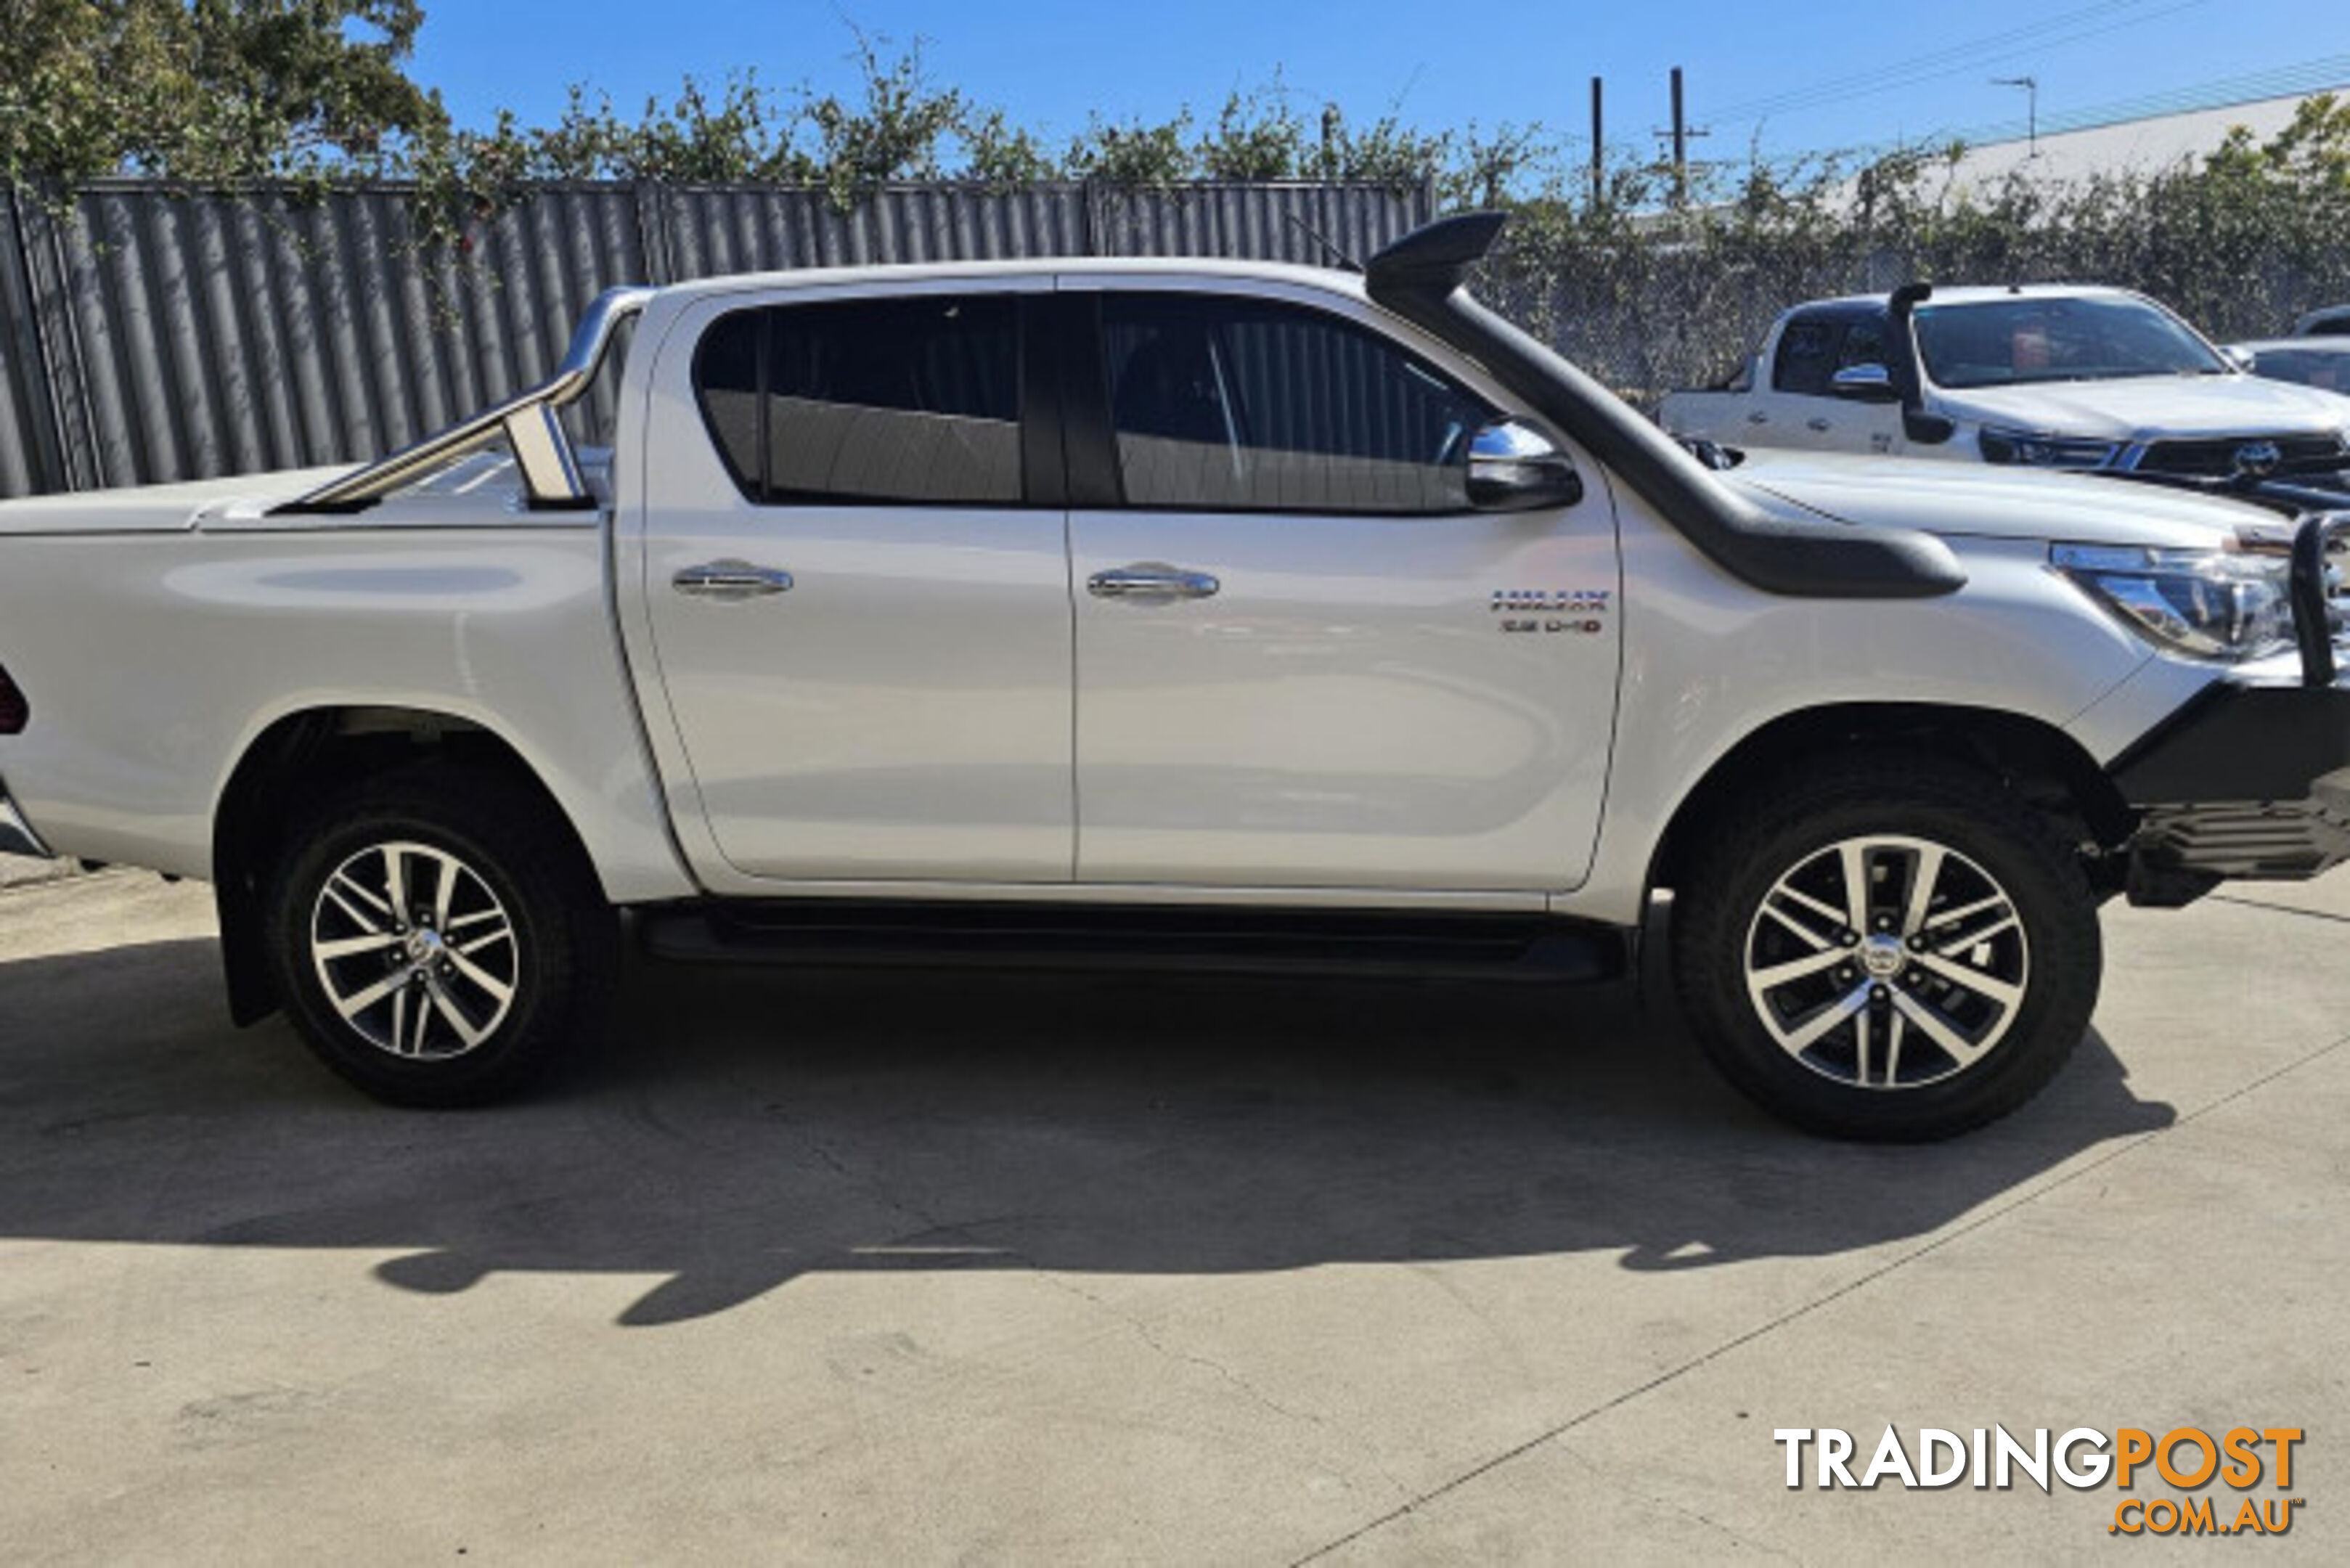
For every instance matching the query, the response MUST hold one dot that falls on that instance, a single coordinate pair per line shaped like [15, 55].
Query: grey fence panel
[228, 335]
[509, 307]
[29, 458]
[224, 334]
[153, 334]
[1256, 222]
[713, 230]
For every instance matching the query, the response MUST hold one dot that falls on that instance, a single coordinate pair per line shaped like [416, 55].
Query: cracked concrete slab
[2327, 896]
[932, 1267]
[2202, 1276]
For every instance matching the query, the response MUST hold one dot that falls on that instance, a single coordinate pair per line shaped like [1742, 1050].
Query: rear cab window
[899, 398]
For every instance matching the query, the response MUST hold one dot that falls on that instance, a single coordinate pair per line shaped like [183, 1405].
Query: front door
[857, 583]
[1804, 410]
[1303, 660]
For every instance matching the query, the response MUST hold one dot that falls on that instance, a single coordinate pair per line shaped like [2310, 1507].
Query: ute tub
[147, 509]
[483, 491]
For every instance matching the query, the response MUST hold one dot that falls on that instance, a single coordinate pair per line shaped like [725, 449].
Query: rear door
[856, 582]
[1303, 660]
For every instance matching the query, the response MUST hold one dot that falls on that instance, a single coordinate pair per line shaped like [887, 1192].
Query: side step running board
[946, 934]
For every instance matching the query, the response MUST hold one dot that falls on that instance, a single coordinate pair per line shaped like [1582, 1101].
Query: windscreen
[2015, 342]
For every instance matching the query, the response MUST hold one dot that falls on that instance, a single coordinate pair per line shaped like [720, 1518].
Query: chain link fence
[1675, 309]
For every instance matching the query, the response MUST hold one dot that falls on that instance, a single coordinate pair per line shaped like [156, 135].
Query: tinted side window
[1806, 357]
[914, 399]
[727, 383]
[1252, 405]
[1865, 343]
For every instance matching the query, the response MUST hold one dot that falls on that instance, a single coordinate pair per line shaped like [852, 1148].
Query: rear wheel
[1888, 950]
[437, 940]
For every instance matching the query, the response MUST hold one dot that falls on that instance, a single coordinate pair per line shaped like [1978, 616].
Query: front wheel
[1888, 951]
[437, 939]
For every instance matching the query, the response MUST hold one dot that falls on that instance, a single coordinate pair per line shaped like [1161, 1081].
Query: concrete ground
[21, 870]
[933, 1267]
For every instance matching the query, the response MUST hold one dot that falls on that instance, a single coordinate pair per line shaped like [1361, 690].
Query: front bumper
[2251, 782]
[16, 834]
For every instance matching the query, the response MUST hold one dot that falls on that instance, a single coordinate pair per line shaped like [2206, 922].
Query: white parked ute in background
[1169, 612]
[2041, 375]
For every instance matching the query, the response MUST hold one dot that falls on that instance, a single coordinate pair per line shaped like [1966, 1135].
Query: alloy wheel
[414, 950]
[1887, 962]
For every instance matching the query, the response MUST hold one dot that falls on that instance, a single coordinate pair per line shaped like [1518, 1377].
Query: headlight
[2043, 452]
[2209, 604]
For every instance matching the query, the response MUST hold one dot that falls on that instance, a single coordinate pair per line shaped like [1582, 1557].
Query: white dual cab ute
[2041, 375]
[1169, 613]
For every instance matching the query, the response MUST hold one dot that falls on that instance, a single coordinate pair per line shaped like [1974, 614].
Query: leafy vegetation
[217, 92]
[1653, 296]
[206, 90]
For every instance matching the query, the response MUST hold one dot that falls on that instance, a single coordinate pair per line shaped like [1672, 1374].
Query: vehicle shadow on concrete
[744, 1129]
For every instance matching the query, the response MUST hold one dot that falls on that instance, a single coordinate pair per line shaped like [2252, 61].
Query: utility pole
[1681, 142]
[2030, 86]
[1681, 132]
[1599, 150]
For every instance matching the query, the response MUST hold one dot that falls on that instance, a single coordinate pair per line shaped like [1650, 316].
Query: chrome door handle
[731, 580]
[1757, 417]
[1150, 582]
[1818, 424]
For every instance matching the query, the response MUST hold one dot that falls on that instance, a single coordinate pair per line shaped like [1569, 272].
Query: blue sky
[1842, 73]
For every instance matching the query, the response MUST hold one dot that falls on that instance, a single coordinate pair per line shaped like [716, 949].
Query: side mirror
[1865, 384]
[2242, 358]
[1513, 467]
[1928, 430]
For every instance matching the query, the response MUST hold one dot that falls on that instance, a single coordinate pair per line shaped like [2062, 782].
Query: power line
[2282, 81]
[2226, 93]
[1769, 102]
[2302, 78]
[2072, 28]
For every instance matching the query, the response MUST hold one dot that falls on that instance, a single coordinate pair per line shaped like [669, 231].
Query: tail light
[13, 710]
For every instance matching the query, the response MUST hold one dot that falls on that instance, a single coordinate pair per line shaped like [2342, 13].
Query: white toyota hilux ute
[1169, 613]
[2036, 376]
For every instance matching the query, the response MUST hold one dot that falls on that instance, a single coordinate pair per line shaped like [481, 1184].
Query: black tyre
[438, 938]
[1888, 950]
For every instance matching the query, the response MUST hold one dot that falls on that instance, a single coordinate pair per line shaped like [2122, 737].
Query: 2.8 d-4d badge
[1576, 610]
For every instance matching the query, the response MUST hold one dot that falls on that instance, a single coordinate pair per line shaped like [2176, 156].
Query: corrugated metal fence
[150, 335]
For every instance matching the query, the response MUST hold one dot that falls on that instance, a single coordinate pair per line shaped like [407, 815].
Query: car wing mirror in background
[1515, 467]
[1875, 384]
[1865, 384]
[1928, 430]
[2236, 354]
